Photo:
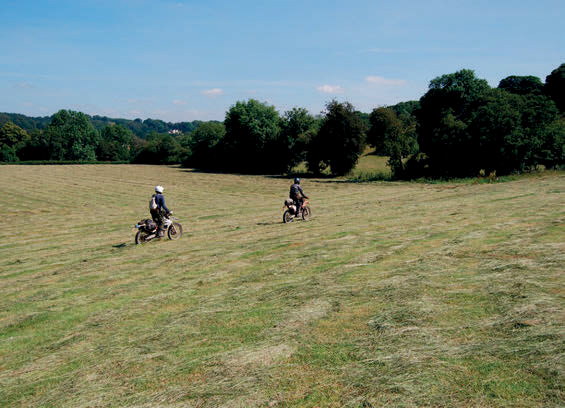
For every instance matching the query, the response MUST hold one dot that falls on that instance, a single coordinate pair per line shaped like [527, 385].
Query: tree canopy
[205, 144]
[391, 137]
[340, 140]
[522, 85]
[252, 130]
[297, 129]
[459, 127]
[71, 136]
[12, 139]
[115, 144]
[555, 86]
[468, 127]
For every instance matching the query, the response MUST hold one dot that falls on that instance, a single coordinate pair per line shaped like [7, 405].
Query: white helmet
[159, 189]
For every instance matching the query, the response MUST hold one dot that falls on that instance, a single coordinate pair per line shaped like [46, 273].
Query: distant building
[174, 132]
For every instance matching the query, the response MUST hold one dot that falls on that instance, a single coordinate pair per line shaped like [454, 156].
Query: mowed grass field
[393, 294]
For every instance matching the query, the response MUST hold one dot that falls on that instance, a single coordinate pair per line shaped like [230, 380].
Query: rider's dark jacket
[294, 190]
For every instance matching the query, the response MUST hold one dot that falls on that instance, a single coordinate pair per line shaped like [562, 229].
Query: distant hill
[140, 128]
[27, 123]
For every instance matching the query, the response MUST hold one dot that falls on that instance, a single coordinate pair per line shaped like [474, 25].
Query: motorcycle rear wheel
[175, 231]
[140, 237]
[288, 217]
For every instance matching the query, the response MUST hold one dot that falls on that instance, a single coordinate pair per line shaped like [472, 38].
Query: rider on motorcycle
[158, 209]
[297, 195]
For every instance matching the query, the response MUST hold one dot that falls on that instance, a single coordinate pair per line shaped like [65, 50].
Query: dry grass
[394, 294]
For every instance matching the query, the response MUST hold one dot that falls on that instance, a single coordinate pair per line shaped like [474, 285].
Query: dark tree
[71, 136]
[552, 152]
[115, 144]
[555, 86]
[405, 110]
[204, 146]
[297, 129]
[538, 113]
[37, 148]
[157, 149]
[12, 135]
[340, 140]
[443, 117]
[391, 137]
[497, 133]
[250, 143]
[12, 139]
[522, 85]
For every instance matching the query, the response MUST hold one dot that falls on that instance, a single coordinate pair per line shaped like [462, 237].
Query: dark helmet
[297, 180]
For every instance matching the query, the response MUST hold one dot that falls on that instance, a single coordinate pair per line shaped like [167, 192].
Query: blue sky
[187, 60]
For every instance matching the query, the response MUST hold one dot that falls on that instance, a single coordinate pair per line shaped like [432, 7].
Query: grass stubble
[394, 294]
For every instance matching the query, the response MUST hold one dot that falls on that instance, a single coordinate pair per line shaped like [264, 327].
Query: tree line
[460, 127]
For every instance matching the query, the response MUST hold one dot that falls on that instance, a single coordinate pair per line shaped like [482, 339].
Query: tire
[140, 238]
[287, 217]
[174, 231]
[306, 213]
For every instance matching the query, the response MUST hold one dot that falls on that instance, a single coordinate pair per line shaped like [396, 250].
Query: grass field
[394, 294]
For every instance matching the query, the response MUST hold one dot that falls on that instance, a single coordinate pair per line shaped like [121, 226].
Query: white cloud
[330, 89]
[25, 85]
[377, 80]
[212, 93]
[179, 102]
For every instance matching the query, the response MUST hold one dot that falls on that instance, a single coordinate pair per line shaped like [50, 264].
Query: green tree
[12, 139]
[115, 143]
[443, 118]
[552, 153]
[12, 135]
[522, 85]
[157, 149]
[71, 136]
[496, 125]
[537, 114]
[297, 129]
[37, 148]
[340, 140]
[204, 146]
[250, 143]
[390, 137]
[555, 86]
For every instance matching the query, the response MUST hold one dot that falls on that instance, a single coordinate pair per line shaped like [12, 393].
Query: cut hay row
[394, 294]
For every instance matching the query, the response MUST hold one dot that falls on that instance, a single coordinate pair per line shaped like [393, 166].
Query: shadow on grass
[359, 178]
[300, 175]
[122, 245]
[269, 223]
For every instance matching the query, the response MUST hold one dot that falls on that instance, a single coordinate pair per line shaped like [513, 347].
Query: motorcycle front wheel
[175, 231]
[306, 213]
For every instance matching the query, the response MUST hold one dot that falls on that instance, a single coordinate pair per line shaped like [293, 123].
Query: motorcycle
[148, 229]
[291, 212]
